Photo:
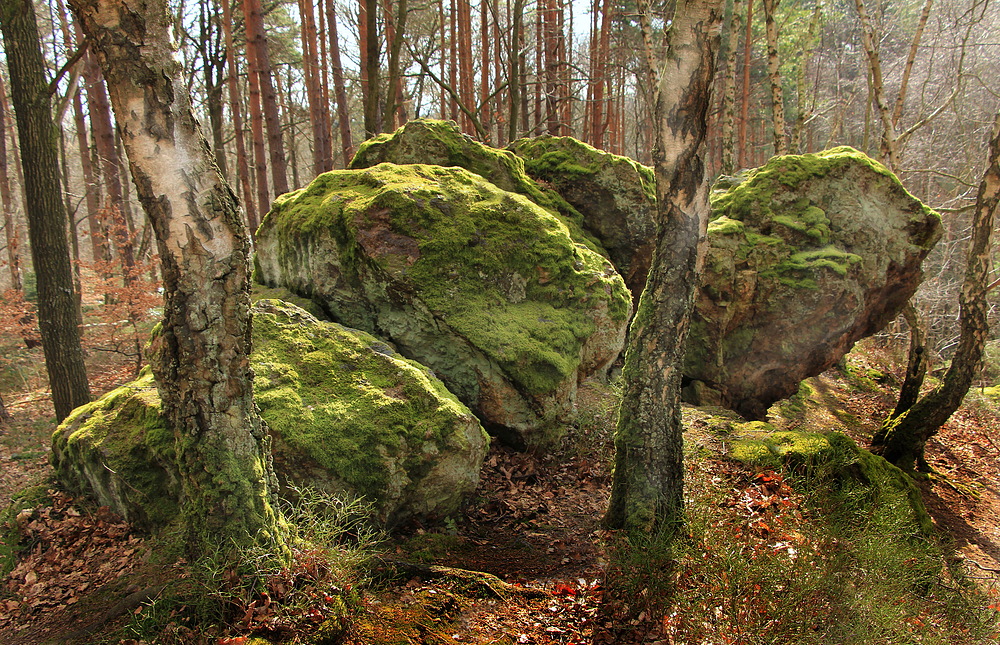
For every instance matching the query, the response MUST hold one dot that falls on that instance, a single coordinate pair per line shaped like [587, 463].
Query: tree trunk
[257, 135]
[728, 48]
[236, 111]
[647, 491]
[741, 131]
[371, 82]
[201, 358]
[46, 216]
[343, 110]
[395, 35]
[261, 65]
[314, 88]
[9, 223]
[801, 113]
[890, 149]
[486, 68]
[774, 76]
[902, 438]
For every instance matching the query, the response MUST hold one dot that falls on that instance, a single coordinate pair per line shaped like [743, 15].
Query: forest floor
[534, 522]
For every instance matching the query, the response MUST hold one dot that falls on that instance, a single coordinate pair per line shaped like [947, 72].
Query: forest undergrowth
[766, 556]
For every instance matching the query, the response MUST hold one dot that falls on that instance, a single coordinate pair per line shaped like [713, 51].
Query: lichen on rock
[481, 285]
[347, 415]
[807, 255]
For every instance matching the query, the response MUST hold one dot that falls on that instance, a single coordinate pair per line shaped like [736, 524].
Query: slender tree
[647, 491]
[339, 91]
[904, 435]
[236, 112]
[9, 222]
[201, 361]
[260, 65]
[38, 137]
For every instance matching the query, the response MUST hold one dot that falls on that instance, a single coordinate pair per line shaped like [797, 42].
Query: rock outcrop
[347, 415]
[615, 195]
[481, 285]
[807, 255]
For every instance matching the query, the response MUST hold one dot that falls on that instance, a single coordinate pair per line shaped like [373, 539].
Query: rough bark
[46, 216]
[201, 360]
[371, 83]
[902, 438]
[647, 491]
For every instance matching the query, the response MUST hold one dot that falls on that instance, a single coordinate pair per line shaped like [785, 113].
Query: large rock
[615, 195]
[442, 143]
[347, 415]
[807, 255]
[479, 284]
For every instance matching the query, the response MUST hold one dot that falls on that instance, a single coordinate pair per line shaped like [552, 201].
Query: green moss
[833, 457]
[441, 143]
[500, 271]
[723, 225]
[559, 159]
[121, 445]
[346, 399]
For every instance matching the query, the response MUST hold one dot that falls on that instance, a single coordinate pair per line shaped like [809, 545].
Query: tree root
[476, 583]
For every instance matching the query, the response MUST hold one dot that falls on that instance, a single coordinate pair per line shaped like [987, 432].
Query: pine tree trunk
[314, 97]
[395, 35]
[46, 218]
[486, 68]
[236, 111]
[340, 93]
[201, 358]
[260, 64]
[902, 438]
[647, 491]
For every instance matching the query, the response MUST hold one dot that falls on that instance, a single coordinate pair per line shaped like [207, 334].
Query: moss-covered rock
[615, 195]
[826, 458]
[807, 255]
[481, 285]
[347, 414]
[442, 143]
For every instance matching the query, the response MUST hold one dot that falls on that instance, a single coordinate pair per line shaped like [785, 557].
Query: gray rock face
[481, 285]
[347, 415]
[615, 196]
[807, 255]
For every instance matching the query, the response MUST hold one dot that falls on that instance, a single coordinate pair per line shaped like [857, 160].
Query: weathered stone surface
[479, 284]
[615, 195]
[807, 255]
[347, 414]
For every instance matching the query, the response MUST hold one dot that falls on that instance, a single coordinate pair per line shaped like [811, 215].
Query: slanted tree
[201, 358]
[904, 435]
[647, 491]
[38, 137]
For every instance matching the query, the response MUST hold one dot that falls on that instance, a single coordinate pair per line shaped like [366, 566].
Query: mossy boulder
[347, 414]
[442, 143]
[479, 284]
[807, 255]
[827, 459]
[615, 195]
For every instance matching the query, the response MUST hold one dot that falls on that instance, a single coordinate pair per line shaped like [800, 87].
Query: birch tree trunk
[9, 224]
[774, 75]
[647, 492]
[904, 435]
[201, 362]
[46, 216]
